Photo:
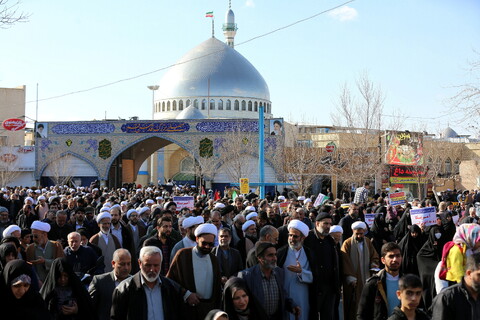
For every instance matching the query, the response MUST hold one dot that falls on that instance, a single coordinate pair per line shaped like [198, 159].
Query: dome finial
[230, 27]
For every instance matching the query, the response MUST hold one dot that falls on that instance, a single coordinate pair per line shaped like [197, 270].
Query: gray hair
[61, 213]
[238, 216]
[267, 230]
[120, 252]
[74, 233]
[150, 251]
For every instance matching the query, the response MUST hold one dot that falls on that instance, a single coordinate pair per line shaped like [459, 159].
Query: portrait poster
[404, 148]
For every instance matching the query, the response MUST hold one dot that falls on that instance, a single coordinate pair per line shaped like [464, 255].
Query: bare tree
[359, 155]
[10, 14]
[59, 167]
[466, 102]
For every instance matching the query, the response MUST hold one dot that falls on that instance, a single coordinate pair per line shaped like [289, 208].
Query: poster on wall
[404, 148]
[41, 130]
[276, 127]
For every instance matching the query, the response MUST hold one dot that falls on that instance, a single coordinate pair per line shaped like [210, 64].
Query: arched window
[220, 104]
[195, 103]
[187, 165]
[174, 105]
[187, 104]
[163, 106]
[448, 166]
[237, 105]
[456, 166]
[168, 105]
[244, 105]
[204, 104]
[249, 105]
[212, 104]
[229, 105]
[255, 106]
[180, 105]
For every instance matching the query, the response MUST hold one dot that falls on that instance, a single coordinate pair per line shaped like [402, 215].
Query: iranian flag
[321, 198]
[209, 14]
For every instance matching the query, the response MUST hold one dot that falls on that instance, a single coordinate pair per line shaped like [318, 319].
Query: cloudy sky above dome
[415, 50]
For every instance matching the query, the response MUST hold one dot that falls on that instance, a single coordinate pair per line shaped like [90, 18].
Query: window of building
[212, 104]
[187, 104]
[244, 105]
[204, 104]
[180, 105]
[229, 105]
[456, 166]
[255, 106]
[249, 105]
[237, 105]
[220, 104]
[448, 166]
[195, 103]
[163, 106]
[174, 105]
[168, 105]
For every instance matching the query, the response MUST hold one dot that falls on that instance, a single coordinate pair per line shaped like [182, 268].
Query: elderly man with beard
[266, 283]
[147, 294]
[137, 230]
[249, 229]
[189, 224]
[197, 270]
[60, 229]
[237, 233]
[295, 259]
[105, 240]
[326, 265]
[358, 257]
[43, 251]
[163, 241]
[378, 296]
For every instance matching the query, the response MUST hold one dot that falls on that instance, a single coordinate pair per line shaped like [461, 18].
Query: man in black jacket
[325, 260]
[460, 301]
[376, 303]
[138, 296]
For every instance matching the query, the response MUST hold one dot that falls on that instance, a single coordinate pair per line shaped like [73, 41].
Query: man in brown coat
[197, 270]
[42, 251]
[358, 257]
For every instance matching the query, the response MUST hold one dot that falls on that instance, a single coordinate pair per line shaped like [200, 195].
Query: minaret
[230, 27]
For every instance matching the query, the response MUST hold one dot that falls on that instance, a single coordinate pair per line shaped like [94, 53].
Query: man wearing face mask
[460, 301]
[106, 241]
[358, 257]
[197, 270]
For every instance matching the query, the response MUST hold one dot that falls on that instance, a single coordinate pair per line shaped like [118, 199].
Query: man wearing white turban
[197, 270]
[358, 257]
[105, 240]
[43, 251]
[189, 224]
[295, 259]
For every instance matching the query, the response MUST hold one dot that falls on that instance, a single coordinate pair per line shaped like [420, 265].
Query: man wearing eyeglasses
[197, 270]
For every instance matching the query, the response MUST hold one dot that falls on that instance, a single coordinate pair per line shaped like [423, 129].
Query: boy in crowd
[410, 294]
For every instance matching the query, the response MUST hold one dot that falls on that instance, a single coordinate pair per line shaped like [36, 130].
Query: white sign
[184, 202]
[369, 218]
[424, 216]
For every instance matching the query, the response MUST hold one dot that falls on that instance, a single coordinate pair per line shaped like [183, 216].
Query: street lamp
[153, 88]
[152, 161]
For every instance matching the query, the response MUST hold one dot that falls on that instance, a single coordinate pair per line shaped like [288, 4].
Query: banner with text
[397, 198]
[426, 216]
[184, 202]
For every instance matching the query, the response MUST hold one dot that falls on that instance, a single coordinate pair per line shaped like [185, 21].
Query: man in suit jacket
[276, 302]
[228, 258]
[130, 301]
[102, 286]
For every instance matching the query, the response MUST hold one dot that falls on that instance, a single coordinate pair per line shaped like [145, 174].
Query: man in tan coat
[358, 257]
[42, 251]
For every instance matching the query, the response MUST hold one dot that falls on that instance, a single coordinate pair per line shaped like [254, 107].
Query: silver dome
[190, 113]
[230, 74]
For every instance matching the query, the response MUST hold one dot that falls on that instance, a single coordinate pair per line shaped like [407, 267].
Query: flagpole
[213, 27]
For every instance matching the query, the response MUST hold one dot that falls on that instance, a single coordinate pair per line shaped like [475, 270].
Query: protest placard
[283, 206]
[426, 216]
[397, 198]
[369, 218]
[184, 202]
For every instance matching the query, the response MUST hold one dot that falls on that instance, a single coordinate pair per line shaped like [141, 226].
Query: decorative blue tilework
[83, 128]
[92, 145]
[155, 127]
[228, 126]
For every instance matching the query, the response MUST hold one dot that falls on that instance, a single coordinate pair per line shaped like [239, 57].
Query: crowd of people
[133, 253]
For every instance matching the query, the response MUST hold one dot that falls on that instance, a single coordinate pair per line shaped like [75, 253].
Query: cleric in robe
[295, 259]
[197, 270]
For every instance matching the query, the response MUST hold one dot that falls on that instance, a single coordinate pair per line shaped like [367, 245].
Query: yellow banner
[244, 186]
[407, 180]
